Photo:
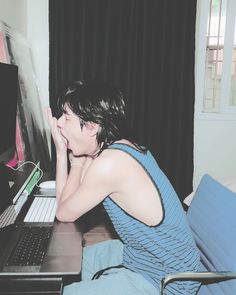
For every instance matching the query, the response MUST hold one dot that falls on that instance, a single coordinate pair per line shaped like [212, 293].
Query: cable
[29, 162]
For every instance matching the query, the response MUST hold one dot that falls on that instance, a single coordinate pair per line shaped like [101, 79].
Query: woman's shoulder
[115, 158]
[112, 158]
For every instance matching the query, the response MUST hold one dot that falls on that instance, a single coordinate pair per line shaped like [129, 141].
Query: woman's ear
[92, 128]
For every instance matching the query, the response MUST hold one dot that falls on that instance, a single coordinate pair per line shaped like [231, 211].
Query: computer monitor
[8, 107]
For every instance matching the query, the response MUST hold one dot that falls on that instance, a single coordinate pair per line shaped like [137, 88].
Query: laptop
[40, 248]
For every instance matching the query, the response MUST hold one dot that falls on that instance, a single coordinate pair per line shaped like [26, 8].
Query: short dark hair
[101, 103]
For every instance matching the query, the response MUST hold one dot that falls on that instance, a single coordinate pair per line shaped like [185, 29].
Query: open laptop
[61, 244]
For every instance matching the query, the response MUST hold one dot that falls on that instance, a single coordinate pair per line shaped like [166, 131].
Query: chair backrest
[212, 218]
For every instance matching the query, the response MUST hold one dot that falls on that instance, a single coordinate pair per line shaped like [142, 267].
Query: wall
[214, 149]
[14, 13]
[38, 35]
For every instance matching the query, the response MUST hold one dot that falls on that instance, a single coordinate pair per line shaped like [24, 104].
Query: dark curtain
[146, 47]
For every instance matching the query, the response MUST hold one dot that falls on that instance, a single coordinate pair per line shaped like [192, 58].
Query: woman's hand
[59, 141]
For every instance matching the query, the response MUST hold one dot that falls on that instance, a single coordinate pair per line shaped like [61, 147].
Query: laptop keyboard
[43, 209]
[31, 247]
[8, 217]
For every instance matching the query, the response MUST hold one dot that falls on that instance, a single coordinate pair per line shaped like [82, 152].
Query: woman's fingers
[59, 141]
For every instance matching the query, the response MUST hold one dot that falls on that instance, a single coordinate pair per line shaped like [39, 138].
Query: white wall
[214, 149]
[13, 12]
[38, 35]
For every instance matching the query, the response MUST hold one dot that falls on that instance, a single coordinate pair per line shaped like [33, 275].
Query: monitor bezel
[8, 154]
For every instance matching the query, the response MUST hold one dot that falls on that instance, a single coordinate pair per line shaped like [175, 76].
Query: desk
[53, 273]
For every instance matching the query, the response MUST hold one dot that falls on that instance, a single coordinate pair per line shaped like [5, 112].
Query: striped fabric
[154, 251]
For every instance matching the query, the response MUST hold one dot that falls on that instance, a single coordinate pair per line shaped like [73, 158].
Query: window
[215, 66]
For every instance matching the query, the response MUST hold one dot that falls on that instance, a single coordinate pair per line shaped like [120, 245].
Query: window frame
[226, 112]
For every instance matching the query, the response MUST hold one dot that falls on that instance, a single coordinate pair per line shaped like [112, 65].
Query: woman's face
[80, 140]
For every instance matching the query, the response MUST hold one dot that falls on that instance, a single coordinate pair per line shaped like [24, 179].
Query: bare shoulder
[110, 161]
[111, 165]
[114, 164]
[106, 173]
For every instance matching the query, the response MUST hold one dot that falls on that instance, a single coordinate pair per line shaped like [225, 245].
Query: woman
[107, 165]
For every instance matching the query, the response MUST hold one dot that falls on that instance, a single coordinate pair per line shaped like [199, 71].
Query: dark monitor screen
[8, 106]
[5, 195]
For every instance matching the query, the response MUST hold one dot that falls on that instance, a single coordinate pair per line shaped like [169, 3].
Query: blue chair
[212, 218]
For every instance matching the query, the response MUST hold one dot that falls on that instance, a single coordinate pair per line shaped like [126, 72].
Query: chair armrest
[195, 276]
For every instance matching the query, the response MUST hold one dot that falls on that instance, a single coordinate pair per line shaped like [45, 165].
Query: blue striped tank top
[154, 251]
